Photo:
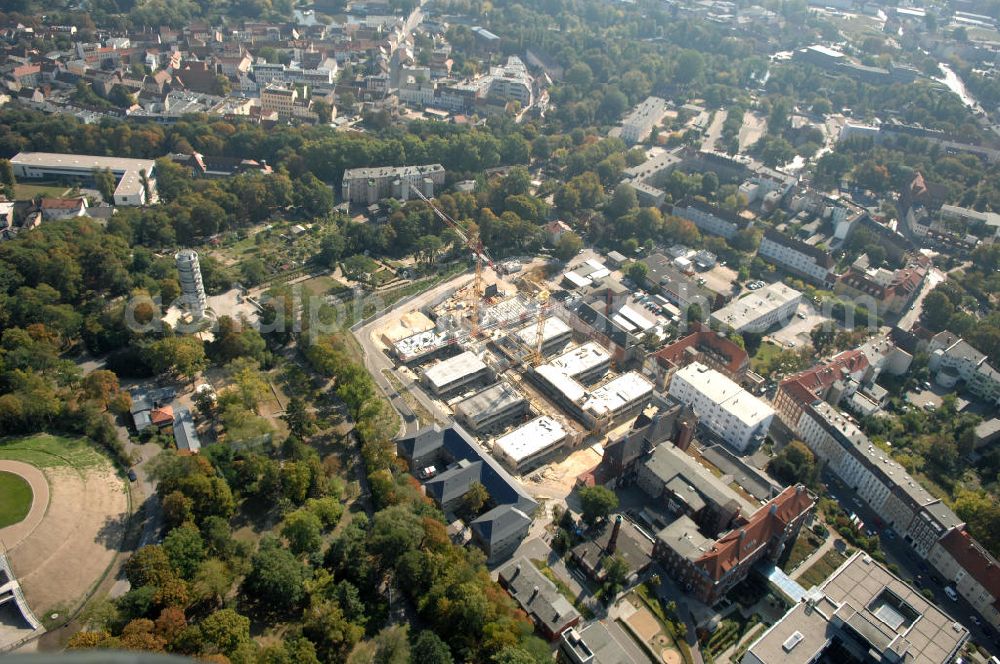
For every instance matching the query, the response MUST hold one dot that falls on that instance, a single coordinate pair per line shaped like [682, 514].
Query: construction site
[513, 366]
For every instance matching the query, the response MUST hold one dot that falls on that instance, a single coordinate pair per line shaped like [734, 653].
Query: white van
[950, 592]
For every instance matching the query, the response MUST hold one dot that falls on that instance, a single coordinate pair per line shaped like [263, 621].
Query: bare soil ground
[76, 541]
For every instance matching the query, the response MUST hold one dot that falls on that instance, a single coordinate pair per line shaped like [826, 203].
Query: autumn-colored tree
[100, 386]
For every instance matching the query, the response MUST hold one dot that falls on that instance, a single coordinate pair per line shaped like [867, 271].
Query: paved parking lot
[796, 332]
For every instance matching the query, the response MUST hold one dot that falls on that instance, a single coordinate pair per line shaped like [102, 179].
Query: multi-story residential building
[828, 381]
[136, 178]
[456, 372]
[370, 185]
[710, 218]
[725, 408]
[639, 122]
[975, 574]
[891, 291]
[861, 613]
[797, 257]
[714, 350]
[708, 568]
[969, 219]
[280, 100]
[899, 500]
[509, 82]
[953, 359]
[492, 407]
[760, 310]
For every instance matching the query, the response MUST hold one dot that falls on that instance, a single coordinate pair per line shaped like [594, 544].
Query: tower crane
[543, 300]
[473, 244]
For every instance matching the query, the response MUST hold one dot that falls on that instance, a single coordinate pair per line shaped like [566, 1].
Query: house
[538, 597]
[890, 290]
[709, 568]
[145, 402]
[63, 208]
[554, 230]
[185, 433]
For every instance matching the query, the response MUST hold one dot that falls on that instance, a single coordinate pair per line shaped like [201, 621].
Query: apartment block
[760, 310]
[370, 185]
[797, 257]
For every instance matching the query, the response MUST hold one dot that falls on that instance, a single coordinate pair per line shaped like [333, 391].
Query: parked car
[950, 592]
[976, 621]
[132, 477]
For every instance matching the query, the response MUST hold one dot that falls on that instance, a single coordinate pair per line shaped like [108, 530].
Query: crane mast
[474, 244]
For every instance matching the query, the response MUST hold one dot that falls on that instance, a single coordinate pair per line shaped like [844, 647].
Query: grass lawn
[22, 191]
[15, 498]
[48, 451]
[322, 285]
[803, 547]
[765, 356]
[821, 569]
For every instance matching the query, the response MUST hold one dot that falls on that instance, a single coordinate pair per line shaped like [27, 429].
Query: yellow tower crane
[473, 244]
[543, 300]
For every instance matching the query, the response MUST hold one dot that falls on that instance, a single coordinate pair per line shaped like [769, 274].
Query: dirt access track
[71, 535]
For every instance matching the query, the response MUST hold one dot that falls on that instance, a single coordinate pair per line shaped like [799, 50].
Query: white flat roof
[553, 328]
[624, 322]
[626, 389]
[571, 389]
[636, 318]
[448, 371]
[576, 279]
[581, 359]
[720, 389]
[127, 169]
[749, 309]
[536, 436]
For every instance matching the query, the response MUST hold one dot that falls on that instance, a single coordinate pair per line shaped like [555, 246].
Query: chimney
[613, 542]
[517, 570]
[534, 594]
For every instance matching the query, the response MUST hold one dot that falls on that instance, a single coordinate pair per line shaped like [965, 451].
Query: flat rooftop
[619, 393]
[486, 403]
[392, 171]
[536, 436]
[420, 343]
[453, 369]
[127, 170]
[749, 309]
[568, 387]
[720, 389]
[553, 328]
[878, 612]
[581, 359]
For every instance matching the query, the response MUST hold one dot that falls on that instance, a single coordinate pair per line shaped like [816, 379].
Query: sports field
[15, 498]
[77, 518]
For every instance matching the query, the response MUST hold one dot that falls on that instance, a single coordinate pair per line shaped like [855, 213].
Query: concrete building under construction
[449, 375]
[491, 408]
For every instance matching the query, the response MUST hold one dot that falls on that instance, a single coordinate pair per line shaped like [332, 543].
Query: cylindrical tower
[192, 289]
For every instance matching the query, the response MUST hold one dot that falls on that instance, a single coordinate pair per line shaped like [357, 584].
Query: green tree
[475, 500]
[392, 645]
[937, 310]
[253, 272]
[637, 272]
[615, 572]
[276, 579]
[622, 201]
[105, 183]
[226, 631]
[7, 180]
[430, 649]
[185, 549]
[303, 530]
[794, 464]
[597, 502]
[568, 246]
[301, 421]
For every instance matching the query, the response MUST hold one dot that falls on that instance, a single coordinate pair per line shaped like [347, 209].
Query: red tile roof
[735, 357]
[975, 560]
[767, 522]
[62, 203]
[817, 380]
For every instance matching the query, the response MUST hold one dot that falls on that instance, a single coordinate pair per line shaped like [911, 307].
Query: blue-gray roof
[185, 434]
[499, 523]
[457, 445]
